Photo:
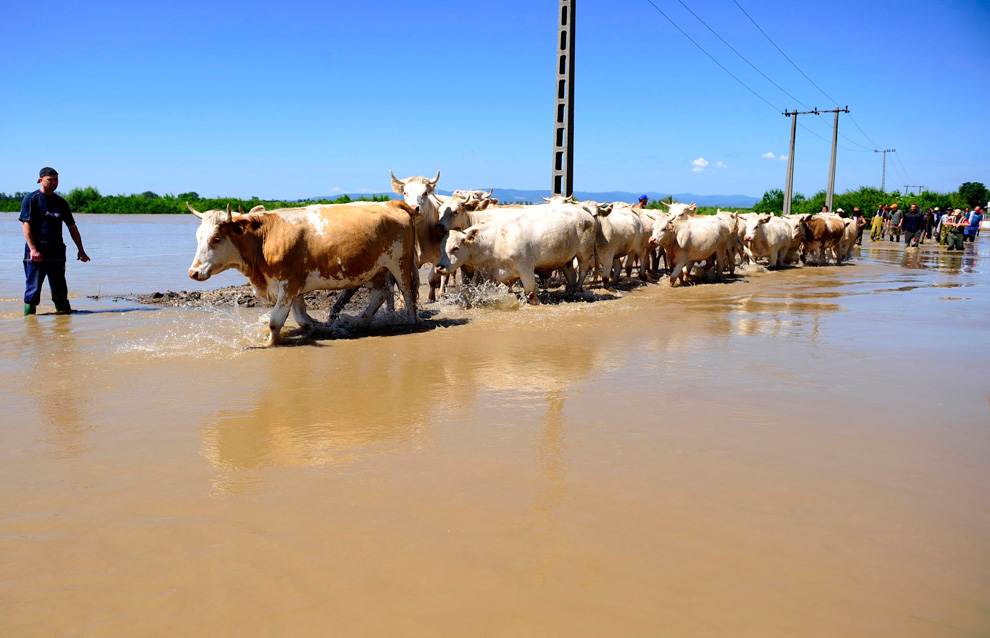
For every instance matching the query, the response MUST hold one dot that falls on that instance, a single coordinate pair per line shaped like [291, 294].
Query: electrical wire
[712, 58]
[822, 91]
[744, 59]
[833, 101]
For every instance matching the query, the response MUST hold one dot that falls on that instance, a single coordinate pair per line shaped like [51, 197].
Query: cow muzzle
[441, 270]
[654, 242]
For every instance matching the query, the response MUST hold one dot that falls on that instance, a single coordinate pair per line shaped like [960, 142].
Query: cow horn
[194, 211]
[491, 192]
[240, 210]
[435, 179]
[397, 184]
[230, 217]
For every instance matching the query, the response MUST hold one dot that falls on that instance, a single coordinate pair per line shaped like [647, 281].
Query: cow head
[458, 249]
[663, 230]
[451, 211]
[215, 250]
[680, 210]
[753, 225]
[415, 190]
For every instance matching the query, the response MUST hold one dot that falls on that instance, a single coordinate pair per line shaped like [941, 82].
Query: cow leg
[570, 274]
[277, 317]
[607, 261]
[434, 280]
[300, 315]
[677, 271]
[774, 261]
[527, 277]
[342, 299]
[408, 283]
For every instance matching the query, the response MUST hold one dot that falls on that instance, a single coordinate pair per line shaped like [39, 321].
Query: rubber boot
[30, 309]
[63, 308]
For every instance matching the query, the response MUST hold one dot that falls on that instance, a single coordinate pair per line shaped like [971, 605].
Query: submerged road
[794, 453]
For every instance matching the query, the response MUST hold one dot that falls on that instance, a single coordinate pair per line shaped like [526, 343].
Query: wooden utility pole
[830, 192]
[789, 188]
[883, 178]
[563, 128]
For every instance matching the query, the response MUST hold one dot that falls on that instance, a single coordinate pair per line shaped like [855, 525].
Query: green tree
[772, 202]
[974, 194]
[188, 197]
[80, 199]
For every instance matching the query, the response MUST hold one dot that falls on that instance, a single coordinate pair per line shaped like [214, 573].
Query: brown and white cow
[289, 252]
[822, 234]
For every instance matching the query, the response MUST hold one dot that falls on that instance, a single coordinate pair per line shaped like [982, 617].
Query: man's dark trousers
[52, 267]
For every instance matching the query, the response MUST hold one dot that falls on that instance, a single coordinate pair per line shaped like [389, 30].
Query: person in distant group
[894, 226]
[824, 209]
[843, 214]
[973, 228]
[941, 229]
[42, 215]
[860, 224]
[885, 215]
[930, 222]
[911, 223]
[876, 227]
[643, 199]
[956, 229]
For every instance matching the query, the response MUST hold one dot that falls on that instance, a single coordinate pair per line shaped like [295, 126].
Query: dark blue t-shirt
[46, 213]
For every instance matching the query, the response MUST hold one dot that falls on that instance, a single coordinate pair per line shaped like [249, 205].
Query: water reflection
[310, 413]
[54, 383]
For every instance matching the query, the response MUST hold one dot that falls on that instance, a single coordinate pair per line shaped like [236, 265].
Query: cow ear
[764, 218]
[397, 184]
[257, 209]
[470, 236]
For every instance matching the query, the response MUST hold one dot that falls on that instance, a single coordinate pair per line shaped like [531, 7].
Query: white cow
[418, 193]
[516, 245]
[627, 236]
[689, 240]
[849, 233]
[768, 236]
[797, 226]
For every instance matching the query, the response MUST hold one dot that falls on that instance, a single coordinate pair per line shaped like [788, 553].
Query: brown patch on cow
[351, 247]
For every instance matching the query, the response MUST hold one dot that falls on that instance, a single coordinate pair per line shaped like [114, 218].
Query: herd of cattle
[288, 252]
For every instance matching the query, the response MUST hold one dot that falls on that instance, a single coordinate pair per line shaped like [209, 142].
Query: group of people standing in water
[949, 227]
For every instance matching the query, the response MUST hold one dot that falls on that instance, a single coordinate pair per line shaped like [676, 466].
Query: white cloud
[721, 165]
[336, 189]
[699, 164]
[769, 155]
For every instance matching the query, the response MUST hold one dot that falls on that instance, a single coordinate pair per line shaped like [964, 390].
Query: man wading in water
[42, 213]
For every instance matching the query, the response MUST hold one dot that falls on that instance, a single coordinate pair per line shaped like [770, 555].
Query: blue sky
[304, 99]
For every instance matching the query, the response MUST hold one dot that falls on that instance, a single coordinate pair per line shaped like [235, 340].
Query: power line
[864, 148]
[712, 58]
[862, 131]
[784, 54]
[898, 160]
[741, 55]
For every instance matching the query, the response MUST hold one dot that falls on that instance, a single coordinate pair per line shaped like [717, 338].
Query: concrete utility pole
[789, 188]
[830, 192]
[563, 133]
[883, 179]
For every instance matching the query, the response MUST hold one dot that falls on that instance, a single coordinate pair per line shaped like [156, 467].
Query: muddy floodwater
[799, 453]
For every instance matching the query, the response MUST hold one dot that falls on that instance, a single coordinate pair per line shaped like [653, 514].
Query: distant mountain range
[510, 195]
